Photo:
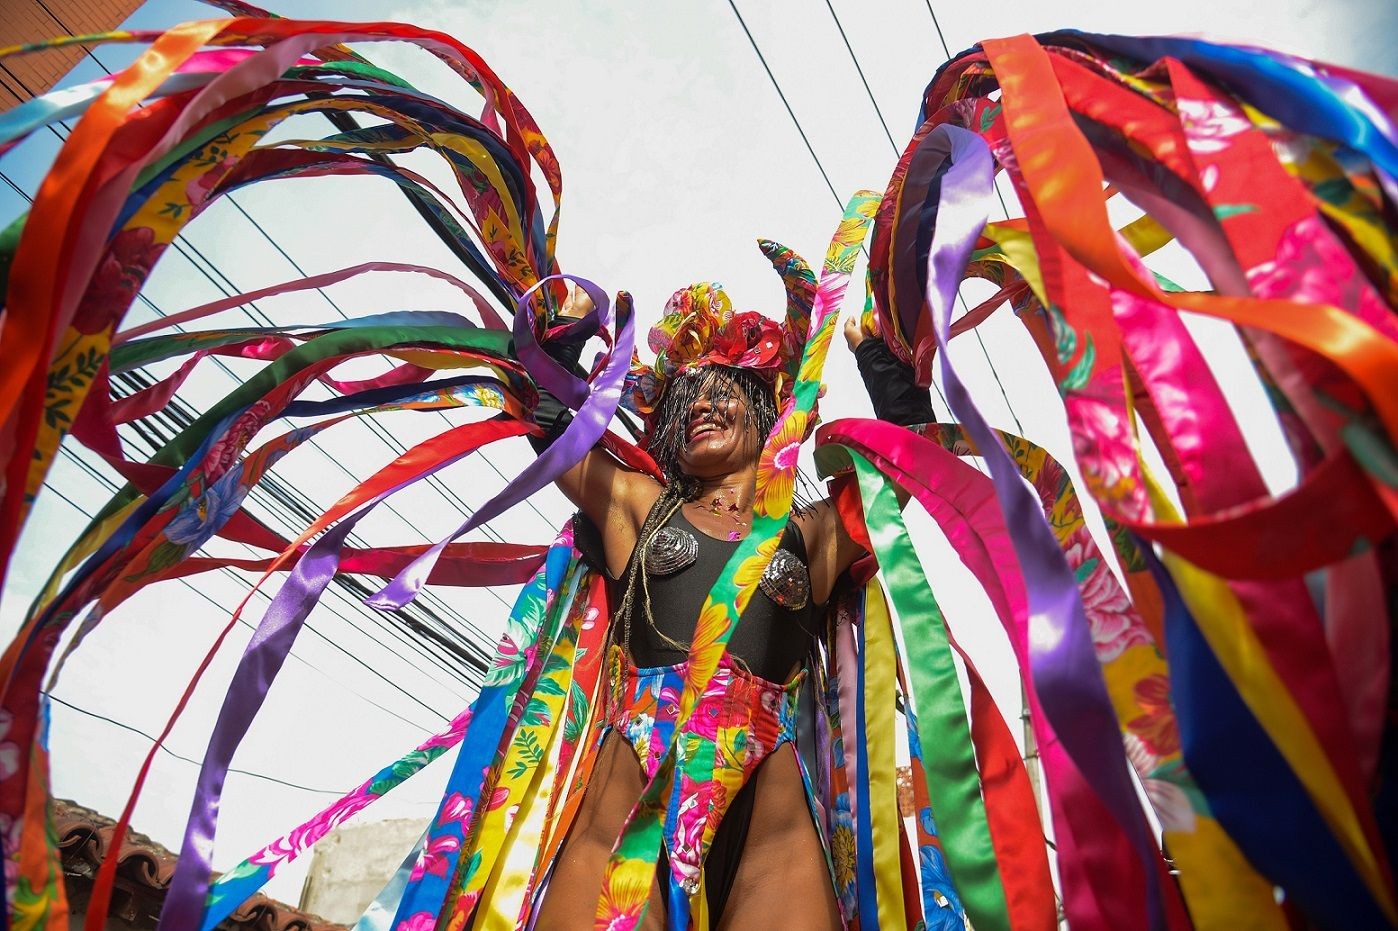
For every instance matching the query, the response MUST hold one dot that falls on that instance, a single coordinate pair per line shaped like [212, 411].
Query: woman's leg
[571, 899]
[782, 879]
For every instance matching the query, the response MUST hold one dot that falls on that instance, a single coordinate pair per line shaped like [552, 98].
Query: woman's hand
[612, 496]
[577, 305]
[855, 333]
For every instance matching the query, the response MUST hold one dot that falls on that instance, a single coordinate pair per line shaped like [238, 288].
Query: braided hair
[670, 426]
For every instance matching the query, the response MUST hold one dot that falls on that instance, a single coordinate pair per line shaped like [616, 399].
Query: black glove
[891, 385]
[552, 414]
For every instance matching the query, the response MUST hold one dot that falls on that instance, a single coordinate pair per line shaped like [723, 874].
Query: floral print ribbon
[1209, 670]
[626, 885]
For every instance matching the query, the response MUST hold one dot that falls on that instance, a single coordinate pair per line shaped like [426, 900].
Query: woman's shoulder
[812, 522]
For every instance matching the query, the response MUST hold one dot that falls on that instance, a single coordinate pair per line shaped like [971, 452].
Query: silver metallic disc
[787, 581]
[670, 550]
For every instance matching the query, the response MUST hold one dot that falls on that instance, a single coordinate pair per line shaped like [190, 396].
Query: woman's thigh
[571, 899]
[782, 880]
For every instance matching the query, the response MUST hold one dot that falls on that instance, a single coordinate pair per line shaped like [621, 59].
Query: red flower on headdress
[700, 328]
[748, 340]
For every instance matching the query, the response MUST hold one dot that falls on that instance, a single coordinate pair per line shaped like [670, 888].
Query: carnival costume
[1239, 672]
[749, 709]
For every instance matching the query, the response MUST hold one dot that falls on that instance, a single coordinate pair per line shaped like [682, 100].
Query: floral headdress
[700, 328]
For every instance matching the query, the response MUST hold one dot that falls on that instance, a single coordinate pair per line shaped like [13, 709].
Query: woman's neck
[735, 492]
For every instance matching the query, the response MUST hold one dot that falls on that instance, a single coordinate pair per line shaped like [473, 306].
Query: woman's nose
[701, 405]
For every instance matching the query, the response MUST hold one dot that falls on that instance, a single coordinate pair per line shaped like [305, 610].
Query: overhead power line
[786, 103]
[184, 247]
[896, 153]
[223, 609]
[185, 759]
[270, 488]
[862, 79]
[482, 643]
[776, 85]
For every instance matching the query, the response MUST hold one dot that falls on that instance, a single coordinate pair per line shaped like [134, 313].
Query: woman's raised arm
[897, 399]
[611, 495]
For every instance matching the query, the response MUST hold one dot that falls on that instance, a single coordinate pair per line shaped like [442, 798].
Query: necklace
[717, 508]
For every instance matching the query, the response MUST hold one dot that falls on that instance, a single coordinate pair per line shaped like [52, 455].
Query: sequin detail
[670, 550]
[787, 581]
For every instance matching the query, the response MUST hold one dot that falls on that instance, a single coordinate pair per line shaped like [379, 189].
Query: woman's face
[719, 437]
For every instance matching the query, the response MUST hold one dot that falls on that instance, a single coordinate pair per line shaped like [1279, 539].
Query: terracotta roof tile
[144, 868]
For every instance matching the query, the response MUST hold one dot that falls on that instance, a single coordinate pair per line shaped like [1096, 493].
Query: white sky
[677, 153]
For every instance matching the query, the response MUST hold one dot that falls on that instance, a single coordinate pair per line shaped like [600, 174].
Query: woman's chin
[706, 458]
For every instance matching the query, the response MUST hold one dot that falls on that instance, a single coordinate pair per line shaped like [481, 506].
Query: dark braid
[671, 497]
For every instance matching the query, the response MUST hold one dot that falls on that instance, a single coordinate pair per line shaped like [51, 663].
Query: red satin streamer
[1011, 810]
[1281, 610]
[490, 316]
[475, 565]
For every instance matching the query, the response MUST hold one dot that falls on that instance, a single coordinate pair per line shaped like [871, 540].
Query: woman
[745, 837]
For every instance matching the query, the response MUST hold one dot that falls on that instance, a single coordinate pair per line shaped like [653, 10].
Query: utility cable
[185, 759]
[797, 123]
[862, 79]
[269, 486]
[896, 153]
[223, 609]
[183, 246]
[143, 431]
[344, 316]
[786, 103]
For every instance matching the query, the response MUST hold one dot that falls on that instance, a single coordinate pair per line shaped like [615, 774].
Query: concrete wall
[351, 865]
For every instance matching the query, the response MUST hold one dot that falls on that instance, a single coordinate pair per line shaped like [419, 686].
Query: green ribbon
[949, 760]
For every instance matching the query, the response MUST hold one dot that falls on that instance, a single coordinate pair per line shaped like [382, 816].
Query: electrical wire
[184, 247]
[226, 286]
[268, 487]
[478, 662]
[786, 103]
[862, 79]
[232, 769]
[897, 152]
[307, 511]
[223, 609]
[1004, 207]
[809, 148]
[339, 310]
[941, 37]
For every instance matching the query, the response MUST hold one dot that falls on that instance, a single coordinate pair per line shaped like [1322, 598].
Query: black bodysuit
[771, 640]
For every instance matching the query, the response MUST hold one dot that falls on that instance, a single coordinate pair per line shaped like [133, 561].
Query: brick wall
[24, 76]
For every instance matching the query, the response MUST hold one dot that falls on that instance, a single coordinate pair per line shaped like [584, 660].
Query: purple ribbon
[542, 367]
[1066, 675]
[261, 661]
[595, 411]
[904, 287]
